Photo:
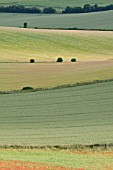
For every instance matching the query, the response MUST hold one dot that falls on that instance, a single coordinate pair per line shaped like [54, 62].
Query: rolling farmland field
[15, 76]
[96, 20]
[73, 116]
[92, 49]
[20, 45]
[60, 4]
[76, 115]
[65, 116]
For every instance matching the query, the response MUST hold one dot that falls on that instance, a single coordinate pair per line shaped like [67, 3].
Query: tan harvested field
[20, 45]
[14, 76]
[92, 49]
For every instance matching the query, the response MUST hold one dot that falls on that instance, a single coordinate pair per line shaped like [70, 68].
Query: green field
[19, 45]
[76, 115]
[97, 20]
[58, 159]
[61, 117]
[54, 3]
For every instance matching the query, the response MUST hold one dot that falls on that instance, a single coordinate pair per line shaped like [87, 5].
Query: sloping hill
[96, 20]
[19, 45]
[76, 115]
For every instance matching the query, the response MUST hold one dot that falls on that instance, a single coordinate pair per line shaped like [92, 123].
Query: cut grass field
[55, 160]
[15, 76]
[97, 20]
[60, 4]
[76, 115]
[20, 45]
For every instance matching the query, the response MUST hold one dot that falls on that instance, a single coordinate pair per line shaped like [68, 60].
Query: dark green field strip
[34, 98]
[81, 114]
[96, 20]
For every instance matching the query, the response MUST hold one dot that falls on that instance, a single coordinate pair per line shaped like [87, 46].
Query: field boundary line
[58, 87]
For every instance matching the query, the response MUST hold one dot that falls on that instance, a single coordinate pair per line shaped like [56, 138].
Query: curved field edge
[20, 45]
[59, 159]
[15, 76]
[57, 87]
[76, 115]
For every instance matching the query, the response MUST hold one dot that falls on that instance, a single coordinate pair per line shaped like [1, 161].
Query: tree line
[49, 10]
[87, 8]
[23, 9]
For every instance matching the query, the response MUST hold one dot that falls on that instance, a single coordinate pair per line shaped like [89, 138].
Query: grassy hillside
[54, 3]
[47, 45]
[77, 115]
[98, 20]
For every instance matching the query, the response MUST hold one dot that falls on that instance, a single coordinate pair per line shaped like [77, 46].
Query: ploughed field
[96, 20]
[76, 115]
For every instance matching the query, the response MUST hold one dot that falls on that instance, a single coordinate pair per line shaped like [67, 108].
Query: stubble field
[15, 76]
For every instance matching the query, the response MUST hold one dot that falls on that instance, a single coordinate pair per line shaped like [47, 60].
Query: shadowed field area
[96, 20]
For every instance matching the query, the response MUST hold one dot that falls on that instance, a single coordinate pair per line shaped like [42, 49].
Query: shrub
[49, 10]
[59, 60]
[32, 61]
[73, 60]
[27, 88]
[25, 25]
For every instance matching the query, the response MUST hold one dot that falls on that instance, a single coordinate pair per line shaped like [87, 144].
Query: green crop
[97, 20]
[77, 115]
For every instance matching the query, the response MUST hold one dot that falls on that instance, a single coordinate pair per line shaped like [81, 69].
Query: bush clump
[59, 60]
[27, 88]
[73, 60]
[32, 61]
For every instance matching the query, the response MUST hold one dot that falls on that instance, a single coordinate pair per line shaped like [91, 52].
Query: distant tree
[32, 61]
[27, 88]
[73, 60]
[68, 10]
[87, 8]
[25, 25]
[59, 60]
[49, 10]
